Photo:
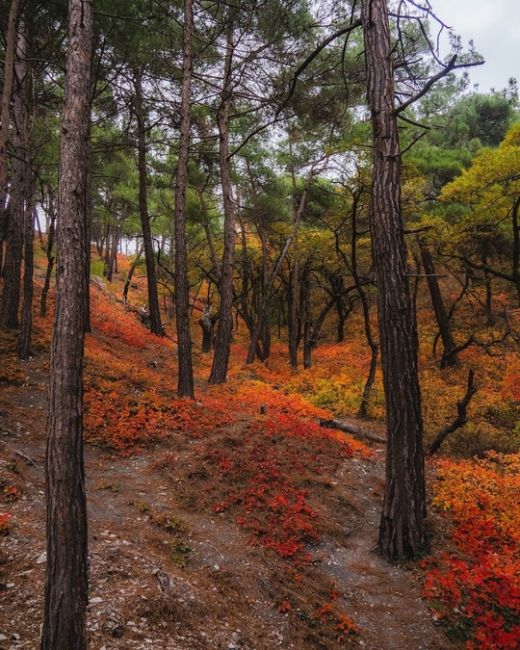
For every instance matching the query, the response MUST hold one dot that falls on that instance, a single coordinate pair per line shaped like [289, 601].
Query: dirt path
[166, 576]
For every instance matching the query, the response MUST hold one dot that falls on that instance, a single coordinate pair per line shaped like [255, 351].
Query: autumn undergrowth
[475, 588]
[259, 453]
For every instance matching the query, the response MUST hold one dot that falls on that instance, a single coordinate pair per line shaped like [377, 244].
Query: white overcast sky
[494, 26]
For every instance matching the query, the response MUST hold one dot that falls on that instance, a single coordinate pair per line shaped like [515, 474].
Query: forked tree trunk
[66, 586]
[15, 230]
[449, 357]
[182, 302]
[220, 363]
[402, 532]
[149, 256]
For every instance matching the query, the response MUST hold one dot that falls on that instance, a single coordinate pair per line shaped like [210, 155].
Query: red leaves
[477, 591]
[5, 517]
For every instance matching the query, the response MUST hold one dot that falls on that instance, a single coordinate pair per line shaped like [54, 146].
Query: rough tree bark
[23, 348]
[66, 585]
[402, 531]
[7, 89]
[15, 220]
[151, 275]
[182, 316]
[220, 363]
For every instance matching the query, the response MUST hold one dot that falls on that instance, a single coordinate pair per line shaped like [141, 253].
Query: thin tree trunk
[402, 532]
[151, 276]
[276, 269]
[15, 229]
[130, 275]
[50, 260]
[516, 247]
[220, 363]
[112, 251]
[66, 586]
[293, 316]
[449, 358]
[106, 254]
[206, 325]
[185, 382]
[372, 344]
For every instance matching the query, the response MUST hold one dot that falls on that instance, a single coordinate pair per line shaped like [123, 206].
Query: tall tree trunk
[220, 363]
[5, 112]
[15, 231]
[449, 358]
[24, 340]
[307, 317]
[182, 302]
[66, 586]
[88, 225]
[149, 256]
[402, 532]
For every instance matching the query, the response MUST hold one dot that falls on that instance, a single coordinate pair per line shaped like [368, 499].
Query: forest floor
[232, 522]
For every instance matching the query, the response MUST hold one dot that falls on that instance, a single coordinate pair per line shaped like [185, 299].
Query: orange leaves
[477, 591]
[112, 321]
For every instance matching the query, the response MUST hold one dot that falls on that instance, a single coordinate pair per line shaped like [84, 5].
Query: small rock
[95, 600]
[42, 558]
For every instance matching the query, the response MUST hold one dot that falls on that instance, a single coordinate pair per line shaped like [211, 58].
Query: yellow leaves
[492, 181]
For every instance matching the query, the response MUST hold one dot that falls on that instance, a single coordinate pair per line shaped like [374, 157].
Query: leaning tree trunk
[182, 302]
[15, 231]
[66, 586]
[220, 363]
[449, 356]
[402, 532]
[149, 256]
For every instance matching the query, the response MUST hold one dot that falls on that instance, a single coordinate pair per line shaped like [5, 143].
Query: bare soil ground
[191, 579]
